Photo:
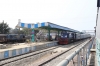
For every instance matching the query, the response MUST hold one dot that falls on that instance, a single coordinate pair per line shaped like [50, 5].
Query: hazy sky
[76, 14]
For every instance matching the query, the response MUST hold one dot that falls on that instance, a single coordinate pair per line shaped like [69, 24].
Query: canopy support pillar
[58, 35]
[32, 39]
[49, 34]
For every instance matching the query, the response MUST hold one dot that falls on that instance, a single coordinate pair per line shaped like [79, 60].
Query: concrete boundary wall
[19, 51]
[98, 51]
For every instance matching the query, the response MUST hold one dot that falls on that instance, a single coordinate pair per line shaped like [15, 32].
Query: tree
[16, 31]
[27, 31]
[4, 28]
[13, 31]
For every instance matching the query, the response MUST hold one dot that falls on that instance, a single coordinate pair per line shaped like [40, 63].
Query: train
[69, 37]
[5, 38]
[64, 38]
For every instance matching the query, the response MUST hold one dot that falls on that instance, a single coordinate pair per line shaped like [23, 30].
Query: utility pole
[95, 30]
[19, 27]
[3, 26]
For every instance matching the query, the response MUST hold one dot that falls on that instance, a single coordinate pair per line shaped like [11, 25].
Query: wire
[96, 19]
[97, 15]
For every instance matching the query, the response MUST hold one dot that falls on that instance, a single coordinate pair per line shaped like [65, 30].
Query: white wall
[98, 26]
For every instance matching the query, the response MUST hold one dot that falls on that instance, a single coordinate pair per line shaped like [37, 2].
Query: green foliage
[16, 31]
[4, 28]
[26, 31]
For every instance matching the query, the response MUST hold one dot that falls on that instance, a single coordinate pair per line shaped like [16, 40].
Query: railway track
[49, 61]
[11, 61]
[58, 58]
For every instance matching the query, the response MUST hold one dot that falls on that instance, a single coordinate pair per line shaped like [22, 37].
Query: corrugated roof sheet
[44, 24]
[61, 27]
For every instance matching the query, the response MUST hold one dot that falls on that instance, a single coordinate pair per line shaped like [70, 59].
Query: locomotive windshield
[64, 34]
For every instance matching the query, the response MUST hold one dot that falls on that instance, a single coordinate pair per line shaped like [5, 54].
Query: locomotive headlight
[65, 36]
[61, 36]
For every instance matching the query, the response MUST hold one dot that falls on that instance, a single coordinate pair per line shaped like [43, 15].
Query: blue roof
[44, 24]
[61, 27]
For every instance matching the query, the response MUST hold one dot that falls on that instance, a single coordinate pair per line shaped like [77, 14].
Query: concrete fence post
[78, 59]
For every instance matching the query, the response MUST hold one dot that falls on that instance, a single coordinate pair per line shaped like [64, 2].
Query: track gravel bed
[57, 60]
[60, 51]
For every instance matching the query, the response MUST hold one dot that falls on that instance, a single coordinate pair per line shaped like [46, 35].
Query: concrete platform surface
[23, 45]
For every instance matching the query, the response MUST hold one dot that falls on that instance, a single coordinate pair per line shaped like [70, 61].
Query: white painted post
[78, 59]
[19, 20]
[83, 56]
[86, 52]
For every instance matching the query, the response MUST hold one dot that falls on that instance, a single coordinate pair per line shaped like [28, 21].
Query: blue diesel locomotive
[69, 37]
[4, 38]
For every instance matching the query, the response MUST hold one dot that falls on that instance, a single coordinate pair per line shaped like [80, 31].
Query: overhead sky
[75, 14]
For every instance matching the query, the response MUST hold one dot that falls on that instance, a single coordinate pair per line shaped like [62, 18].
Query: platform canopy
[45, 25]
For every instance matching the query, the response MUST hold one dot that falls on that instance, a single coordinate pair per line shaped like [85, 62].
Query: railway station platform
[23, 48]
[94, 59]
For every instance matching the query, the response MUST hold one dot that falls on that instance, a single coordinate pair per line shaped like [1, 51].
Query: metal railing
[81, 54]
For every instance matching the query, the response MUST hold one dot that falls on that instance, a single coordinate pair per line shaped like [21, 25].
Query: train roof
[10, 34]
[3, 34]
